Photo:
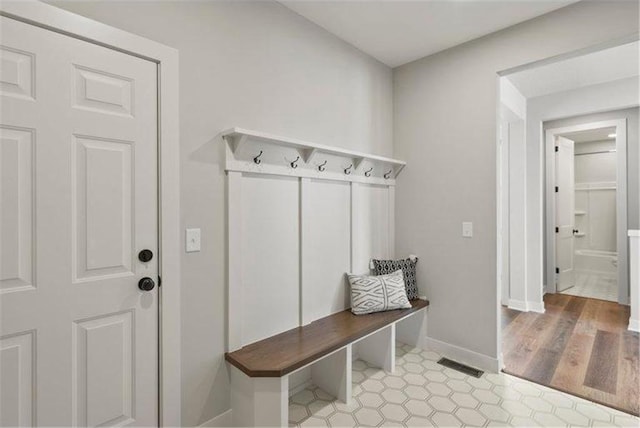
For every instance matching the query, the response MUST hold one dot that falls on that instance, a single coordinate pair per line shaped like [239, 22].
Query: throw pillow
[377, 293]
[408, 267]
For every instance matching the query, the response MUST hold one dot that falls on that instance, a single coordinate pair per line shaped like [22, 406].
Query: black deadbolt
[145, 255]
[146, 284]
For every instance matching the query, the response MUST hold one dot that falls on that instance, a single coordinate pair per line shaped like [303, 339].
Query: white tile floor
[595, 285]
[424, 393]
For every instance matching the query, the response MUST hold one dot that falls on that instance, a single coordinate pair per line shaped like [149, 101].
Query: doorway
[587, 211]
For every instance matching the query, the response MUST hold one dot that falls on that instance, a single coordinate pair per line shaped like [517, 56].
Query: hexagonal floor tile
[438, 388]
[314, 422]
[460, 385]
[494, 412]
[368, 417]
[418, 408]
[557, 399]
[303, 397]
[372, 385]
[441, 419]
[572, 417]
[414, 379]
[370, 399]
[548, 420]
[470, 417]
[416, 421]
[320, 408]
[441, 403]
[395, 382]
[464, 400]
[485, 396]
[297, 413]
[394, 412]
[515, 408]
[394, 396]
[340, 419]
[537, 404]
[416, 392]
[594, 412]
[435, 376]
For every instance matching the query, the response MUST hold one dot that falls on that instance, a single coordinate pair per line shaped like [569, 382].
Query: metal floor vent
[460, 367]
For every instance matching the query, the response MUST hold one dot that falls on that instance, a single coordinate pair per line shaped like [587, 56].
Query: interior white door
[78, 164]
[565, 213]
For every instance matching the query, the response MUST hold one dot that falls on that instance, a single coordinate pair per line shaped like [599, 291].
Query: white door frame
[621, 201]
[166, 58]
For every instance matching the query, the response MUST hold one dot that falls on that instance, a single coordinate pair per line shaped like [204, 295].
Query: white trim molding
[634, 279]
[463, 355]
[61, 21]
[524, 306]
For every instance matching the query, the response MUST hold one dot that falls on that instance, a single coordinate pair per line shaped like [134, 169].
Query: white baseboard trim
[224, 419]
[634, 325]
[522, 306]
[463, 355]
[517, 305]
[536, 307]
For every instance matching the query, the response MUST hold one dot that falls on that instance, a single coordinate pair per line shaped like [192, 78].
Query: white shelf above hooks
[337, 164]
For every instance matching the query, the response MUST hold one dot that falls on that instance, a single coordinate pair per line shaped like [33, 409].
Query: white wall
[595, 165]
[445, 124]
[260, 66]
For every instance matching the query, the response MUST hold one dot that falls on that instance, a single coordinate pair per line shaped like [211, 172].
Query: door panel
[565, 213]
[78, 159]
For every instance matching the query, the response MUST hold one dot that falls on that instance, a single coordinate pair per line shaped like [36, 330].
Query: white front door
[78, 202]
[565, 213]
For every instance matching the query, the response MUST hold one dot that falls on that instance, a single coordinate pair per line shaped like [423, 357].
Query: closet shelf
[385, 168]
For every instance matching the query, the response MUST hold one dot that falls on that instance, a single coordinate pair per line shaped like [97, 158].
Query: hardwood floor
[580, 346]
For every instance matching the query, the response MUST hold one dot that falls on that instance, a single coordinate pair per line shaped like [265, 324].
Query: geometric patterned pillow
[377, 293]
[408, 267]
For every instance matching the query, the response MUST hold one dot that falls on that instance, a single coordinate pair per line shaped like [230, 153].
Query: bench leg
[332, 374]
[259, 401]
[379, 349]
[413, 330]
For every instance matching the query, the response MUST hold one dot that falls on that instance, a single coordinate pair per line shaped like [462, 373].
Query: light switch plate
[192, 240]
[467, 229]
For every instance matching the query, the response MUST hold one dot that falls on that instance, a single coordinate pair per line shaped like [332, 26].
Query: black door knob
[145, 255]
[146, 284]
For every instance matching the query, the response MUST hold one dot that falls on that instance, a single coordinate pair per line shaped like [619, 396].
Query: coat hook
[368, 173]
[347, 170]
[321, 167]
[294, 164]
[257, 160]
[388, 173]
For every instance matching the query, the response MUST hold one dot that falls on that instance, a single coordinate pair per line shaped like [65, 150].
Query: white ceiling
[400, 31]
[591, 135]
[607, 65]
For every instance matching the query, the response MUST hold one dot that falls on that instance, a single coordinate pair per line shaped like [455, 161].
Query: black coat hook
[388, 173]
[321, 167]
[257, 160]
[368, 173]
[294, 164]
[347, 170]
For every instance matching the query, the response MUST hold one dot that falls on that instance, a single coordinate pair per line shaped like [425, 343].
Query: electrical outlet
[467, 229]
[192, 240]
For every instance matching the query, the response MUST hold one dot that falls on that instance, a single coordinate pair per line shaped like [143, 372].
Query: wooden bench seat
[286, 352]
[321, 352]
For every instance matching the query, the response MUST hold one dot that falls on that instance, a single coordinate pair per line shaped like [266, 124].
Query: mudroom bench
[260, 371]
